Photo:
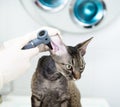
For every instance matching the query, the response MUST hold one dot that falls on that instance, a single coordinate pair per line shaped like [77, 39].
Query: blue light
[51, 3]
[89, 12]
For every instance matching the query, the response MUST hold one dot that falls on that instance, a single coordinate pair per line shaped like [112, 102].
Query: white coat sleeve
[14, 62]
[1, 81]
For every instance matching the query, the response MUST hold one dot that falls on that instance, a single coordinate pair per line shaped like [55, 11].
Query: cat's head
[70, 60]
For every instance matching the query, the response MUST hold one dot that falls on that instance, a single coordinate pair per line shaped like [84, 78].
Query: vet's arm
[14, 61]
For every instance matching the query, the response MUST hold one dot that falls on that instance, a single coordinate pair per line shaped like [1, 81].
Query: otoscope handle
[33, 44]
[42, 37]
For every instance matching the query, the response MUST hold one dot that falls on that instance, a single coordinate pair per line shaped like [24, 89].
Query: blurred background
[77, 20]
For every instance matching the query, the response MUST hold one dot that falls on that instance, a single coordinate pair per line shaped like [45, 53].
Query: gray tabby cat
[53, 82]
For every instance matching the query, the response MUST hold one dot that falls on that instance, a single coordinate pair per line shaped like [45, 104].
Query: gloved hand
[55, 37]
[14, 61]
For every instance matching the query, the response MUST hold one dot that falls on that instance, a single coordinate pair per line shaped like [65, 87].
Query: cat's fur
[53, 82]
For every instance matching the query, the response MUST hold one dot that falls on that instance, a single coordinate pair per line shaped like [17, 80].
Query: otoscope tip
[49, 45]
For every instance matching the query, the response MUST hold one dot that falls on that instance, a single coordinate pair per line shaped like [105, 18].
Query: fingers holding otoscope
[45, 38]
[42, 38]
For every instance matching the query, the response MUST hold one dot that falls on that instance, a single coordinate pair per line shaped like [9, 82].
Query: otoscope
[42, 38]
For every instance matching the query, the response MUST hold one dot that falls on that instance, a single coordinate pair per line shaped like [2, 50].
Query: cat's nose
[76, 75]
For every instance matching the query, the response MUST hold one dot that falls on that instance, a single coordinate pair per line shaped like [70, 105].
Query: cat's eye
[68, 67]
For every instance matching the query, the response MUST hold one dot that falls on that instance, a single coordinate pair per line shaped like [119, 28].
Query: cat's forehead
[72, 51]
[65, 58]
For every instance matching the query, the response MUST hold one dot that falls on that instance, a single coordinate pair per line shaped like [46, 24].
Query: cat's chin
[72, 78]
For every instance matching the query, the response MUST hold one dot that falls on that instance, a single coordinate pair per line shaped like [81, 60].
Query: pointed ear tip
[91, 38]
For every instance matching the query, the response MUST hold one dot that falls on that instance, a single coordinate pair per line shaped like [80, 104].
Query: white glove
[14, 61]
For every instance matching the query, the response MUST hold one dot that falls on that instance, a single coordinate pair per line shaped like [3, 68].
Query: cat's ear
[59, 48]
[82, 46]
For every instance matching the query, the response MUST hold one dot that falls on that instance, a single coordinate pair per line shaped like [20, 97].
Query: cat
[53, 82]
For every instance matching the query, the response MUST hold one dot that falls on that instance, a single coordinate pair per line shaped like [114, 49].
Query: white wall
[101, 76]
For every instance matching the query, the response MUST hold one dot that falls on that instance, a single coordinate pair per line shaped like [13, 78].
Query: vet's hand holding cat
[14, 61]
